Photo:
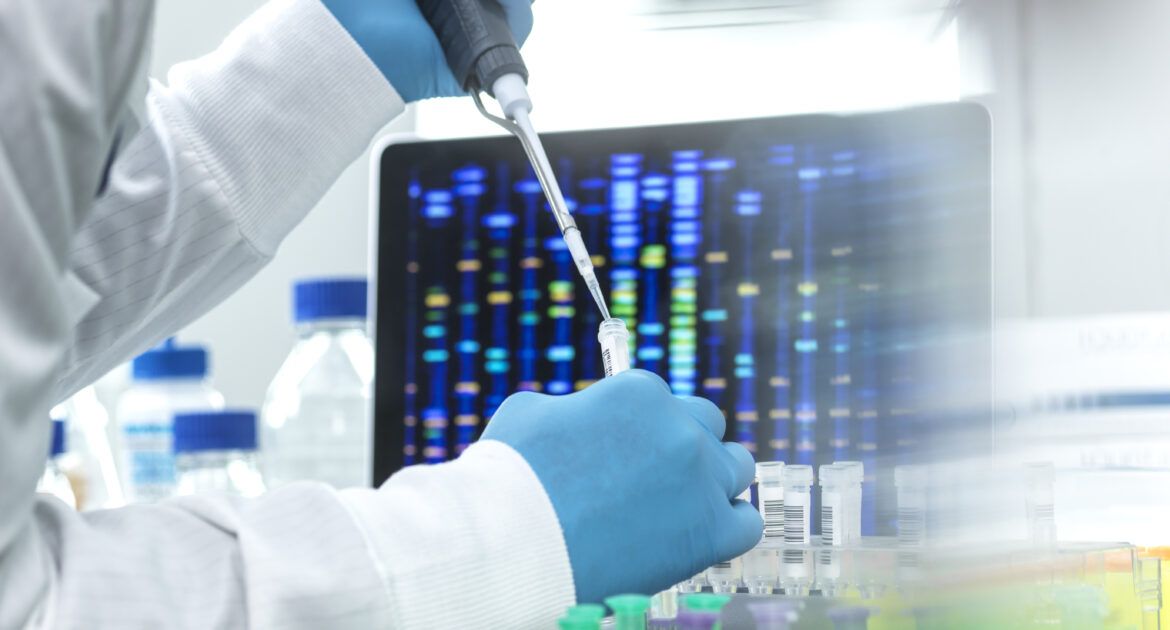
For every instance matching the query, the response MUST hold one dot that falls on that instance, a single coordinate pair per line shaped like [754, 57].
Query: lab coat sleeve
[239, 146]
[245, 141]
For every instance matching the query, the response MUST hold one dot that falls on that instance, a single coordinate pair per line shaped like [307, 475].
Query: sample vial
[725, 577]
[694, 584]
[770, 491]
[910, 482]
[798, 482]
[1039, 504]
[761, 570]
[834, 490]
[797, 563]
[851, 527]
[615, 346]
[215, 451]
[629, 611]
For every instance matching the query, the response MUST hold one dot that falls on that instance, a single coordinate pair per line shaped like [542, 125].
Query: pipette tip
[598, 297]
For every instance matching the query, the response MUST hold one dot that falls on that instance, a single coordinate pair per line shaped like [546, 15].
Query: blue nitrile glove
[640, 482]
[397, 38]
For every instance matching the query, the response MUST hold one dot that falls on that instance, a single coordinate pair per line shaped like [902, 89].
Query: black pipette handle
[476, 39]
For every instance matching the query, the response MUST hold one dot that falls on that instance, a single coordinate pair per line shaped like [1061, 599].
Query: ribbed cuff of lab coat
[470, 543]
[278, 111]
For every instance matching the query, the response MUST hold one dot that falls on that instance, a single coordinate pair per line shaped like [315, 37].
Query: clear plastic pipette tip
[598, 297]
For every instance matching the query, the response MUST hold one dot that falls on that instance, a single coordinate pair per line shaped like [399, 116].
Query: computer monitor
[803, 272]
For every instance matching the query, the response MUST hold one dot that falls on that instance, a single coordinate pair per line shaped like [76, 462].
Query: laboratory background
[917, 251]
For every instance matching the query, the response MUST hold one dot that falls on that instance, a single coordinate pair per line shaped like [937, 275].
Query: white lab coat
[256, 132]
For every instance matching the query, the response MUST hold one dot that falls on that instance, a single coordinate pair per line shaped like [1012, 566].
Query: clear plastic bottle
[54, 481]
[215, 451]
[316, 417]
[167, 380]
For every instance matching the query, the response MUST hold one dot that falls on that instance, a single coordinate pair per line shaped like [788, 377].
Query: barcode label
[773, 517]
[831, 504]
[910, 526]
[794, 517]
[722, 565]
[607, 361]
[1044, 511]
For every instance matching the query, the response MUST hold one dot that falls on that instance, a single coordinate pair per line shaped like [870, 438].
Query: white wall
[251, 333]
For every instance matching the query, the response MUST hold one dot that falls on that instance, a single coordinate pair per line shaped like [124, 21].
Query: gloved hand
[397, 38]
[640, 482]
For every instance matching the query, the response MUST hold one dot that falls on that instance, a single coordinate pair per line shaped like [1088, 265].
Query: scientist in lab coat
[117, 229]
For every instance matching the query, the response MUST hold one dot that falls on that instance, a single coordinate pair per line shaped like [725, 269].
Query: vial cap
[215, 431]
[770, 472]
[713, 602]
[856, 470]
[57, 443]
[170, 360]
[798, 474]
[632, 605]
[832, 475]
[612, 327]
[578, 623]
[329, 298]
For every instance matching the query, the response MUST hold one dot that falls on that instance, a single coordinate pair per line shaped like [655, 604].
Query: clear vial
[770, 490]
[317, 415]
[910, 482]
[215, 452]
[852, 523]
[614, 338]
[761, 570]
[834, 504]
[54, 481]
[797, 564]
[1039, 503]
[166, 380]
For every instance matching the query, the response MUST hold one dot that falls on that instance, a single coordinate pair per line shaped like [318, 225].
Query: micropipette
[483, 56]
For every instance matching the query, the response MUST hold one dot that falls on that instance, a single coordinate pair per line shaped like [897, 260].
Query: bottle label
[772, 509]
[149, 460]
[831, 523]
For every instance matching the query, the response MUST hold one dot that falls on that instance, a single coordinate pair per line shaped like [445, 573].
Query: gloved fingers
[740, 529]
[742, 467]
[519, 14]
[707, 414]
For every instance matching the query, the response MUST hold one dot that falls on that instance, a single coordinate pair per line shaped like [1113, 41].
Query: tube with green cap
[629, 611]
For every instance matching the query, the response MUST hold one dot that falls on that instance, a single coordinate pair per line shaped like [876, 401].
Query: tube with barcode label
[770, 493]
[1039, 480]
[798, 481]
[725, 577]
[614, 338]
[851, 526]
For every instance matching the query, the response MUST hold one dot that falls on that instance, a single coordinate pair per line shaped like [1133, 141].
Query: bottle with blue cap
[166, 379]
[54, 481]
[215, 452]
[316, 417]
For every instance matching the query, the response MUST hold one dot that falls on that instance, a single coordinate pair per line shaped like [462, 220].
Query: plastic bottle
[215, 451]
[54, 481]
[166, 380]
[316, 418]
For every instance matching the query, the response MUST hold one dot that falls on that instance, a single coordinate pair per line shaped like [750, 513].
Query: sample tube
[798, 480]
[835, 504]
[834, 500]
[694, 584]
[761, 570]
[710, 602]
[614, 338]
[725, 577]
[1039, 503]
[772, 614]
[910, 482]
[849, 617]
[771, 497]
[664, 605]
[629, 611]
[852, 523]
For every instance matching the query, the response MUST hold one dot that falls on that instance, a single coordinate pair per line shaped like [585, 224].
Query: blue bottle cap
[214, 431]
[57, 444]
[329, 298]
[169, 360]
